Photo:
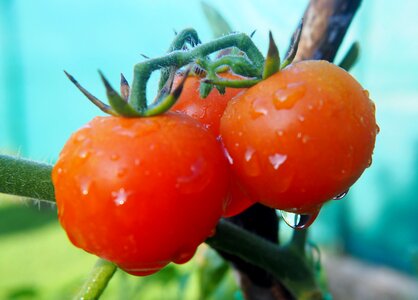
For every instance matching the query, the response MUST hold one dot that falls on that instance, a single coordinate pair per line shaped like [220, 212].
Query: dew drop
[249, 154]
[137, 162]
[83, 154]
[301, 118]
[85, 187]
[59, 170]
[299, 221]
[305, 139]
[366, 93]
[80, 138]
[377, 129]
[340, 196]
[276, 160]
[228, 156]
[120, 196]
[369, 162]
[280, 133]
[299, 135]
[121, 172]
[310, 107]
[286, 98]
[114, 157]
[258, 109]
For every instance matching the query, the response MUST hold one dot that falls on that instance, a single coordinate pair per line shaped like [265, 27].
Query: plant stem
[285, 263]
[26, 178]
[96, 283]
[143, 70]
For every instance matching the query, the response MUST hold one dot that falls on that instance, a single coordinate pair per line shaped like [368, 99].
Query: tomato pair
[143, 192]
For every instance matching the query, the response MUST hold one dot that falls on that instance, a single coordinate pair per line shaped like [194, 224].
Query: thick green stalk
[96, 283]
[285, 263]
[143, 70]
[26, 178]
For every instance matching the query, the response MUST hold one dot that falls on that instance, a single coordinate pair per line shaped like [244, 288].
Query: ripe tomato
[300, 137]
[141, 192]
[209, 111]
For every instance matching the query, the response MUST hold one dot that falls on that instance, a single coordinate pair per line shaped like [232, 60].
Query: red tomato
[209, 111]
[300, 137]
[141, 192]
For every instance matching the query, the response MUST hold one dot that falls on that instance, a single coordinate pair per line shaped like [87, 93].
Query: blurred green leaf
[216, 21]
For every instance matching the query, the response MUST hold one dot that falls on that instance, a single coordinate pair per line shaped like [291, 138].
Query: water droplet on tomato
[366, 93]
[59, 171]
[137, 162]
[377, 129]
[114, 157]
[310, 107]
[369, 162]
[249, 154]
[305, 139]
[276, 160]
[120, 196]
[152, 147]
[299, 220]
[252, 164]
[258, 108]
[85, 187]
[121, 172]
[83, 154]
[80, 137]
[299, 135]
[228, 156]
[280, 133]
[340, 196]
[285, 98]
[196, 179]
[240, 133]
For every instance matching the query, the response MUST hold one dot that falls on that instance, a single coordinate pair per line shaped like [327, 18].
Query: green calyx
[236, 52]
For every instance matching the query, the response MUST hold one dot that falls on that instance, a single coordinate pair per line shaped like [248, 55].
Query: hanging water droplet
[369, 162]
[120, 196]
[276, 160]
[366, 93]
[340, 196]
[377, 129]
[299, 221]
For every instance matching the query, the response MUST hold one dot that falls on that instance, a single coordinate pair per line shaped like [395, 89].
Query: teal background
[39, 107]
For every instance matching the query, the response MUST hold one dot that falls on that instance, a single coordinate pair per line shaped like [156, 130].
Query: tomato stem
[286, 263]
[26, 178]
[179, 58]
[96, 283]
[293, 48]
[350, 57]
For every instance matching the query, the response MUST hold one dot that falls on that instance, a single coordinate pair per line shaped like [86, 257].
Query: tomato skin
[141, 192]
[209, 111]
[300, 137]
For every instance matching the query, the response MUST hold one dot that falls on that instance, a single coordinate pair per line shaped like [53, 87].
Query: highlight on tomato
[301, 137]
[141, 192]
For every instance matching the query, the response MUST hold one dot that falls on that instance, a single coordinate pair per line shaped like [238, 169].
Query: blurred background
[375, 226]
